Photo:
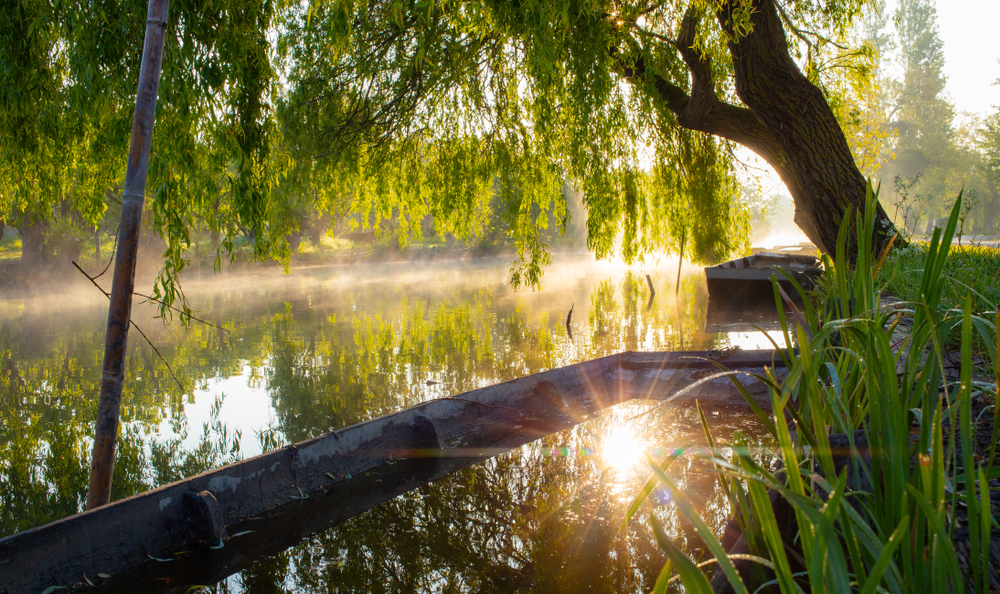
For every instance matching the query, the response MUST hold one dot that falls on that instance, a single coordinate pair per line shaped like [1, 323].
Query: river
[292, 356]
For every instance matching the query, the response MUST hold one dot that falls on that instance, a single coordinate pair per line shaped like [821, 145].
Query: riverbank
[204, 258]
[887, 428]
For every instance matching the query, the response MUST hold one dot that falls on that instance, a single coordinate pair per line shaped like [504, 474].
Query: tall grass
[882, 513]
[970, 270]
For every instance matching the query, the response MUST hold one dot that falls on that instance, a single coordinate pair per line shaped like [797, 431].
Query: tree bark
[123, 283]
[814, 159]
[990, 212]
[32, 233]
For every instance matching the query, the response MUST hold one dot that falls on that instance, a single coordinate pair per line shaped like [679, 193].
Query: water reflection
[621, 450]
[325, 348]
[542, 518]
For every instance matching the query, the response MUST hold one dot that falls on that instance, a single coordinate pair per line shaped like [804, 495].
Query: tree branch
[802, 33]
[701, 110]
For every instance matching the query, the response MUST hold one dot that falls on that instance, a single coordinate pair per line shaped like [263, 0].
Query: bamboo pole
[113, 371]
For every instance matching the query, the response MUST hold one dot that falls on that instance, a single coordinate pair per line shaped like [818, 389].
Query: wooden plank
[733, 359]
[124, 534]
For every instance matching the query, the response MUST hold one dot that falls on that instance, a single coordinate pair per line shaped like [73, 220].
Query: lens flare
[621, 449]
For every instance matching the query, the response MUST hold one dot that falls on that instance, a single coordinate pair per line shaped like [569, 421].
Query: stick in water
[136, 326]
[569, 317]
[680, 262]
[652, 293]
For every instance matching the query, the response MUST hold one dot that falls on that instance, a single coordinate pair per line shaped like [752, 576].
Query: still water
[297, 355]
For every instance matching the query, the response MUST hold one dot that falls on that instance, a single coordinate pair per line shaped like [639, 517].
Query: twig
[649, 9]
[180, 311]
[802, 33]
[132, 322]
[114, 249]
[655, 35]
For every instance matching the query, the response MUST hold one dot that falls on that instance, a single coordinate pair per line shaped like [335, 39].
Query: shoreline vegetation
[364, 248]
[885, 474]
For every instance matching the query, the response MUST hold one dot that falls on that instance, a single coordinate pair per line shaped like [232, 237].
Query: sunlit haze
[968, 30]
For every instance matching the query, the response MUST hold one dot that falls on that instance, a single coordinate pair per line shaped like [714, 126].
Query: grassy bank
[969, 270]
[885, 460]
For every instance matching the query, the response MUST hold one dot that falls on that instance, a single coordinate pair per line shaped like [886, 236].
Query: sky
[971, 36]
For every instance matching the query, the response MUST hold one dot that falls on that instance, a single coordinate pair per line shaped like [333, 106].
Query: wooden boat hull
[227, 514]
[746, 282]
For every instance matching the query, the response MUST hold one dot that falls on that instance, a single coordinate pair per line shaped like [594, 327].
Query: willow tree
[640, 103]
[466, 111]
[68, 74]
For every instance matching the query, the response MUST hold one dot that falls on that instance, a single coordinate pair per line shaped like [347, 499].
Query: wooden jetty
[235, 514]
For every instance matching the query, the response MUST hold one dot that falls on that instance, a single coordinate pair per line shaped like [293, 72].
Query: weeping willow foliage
[68, 73]
[479, 113]
[466, 101]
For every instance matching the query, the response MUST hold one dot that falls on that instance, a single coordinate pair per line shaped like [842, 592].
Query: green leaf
[764, 418]
[691, 576]
[875, 576]
[706, 534]
[647, 488]
[663, 580]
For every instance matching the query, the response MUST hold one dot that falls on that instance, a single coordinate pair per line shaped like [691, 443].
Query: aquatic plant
[879, 483]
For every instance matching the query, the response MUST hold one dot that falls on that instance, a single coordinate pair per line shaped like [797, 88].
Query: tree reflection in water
[542, 518]
[328, 350]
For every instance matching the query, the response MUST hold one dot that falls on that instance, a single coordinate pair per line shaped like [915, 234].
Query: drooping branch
[701, 110]
[804, 34]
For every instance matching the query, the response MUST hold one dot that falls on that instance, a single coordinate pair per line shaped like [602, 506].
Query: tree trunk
[32, 243]
[214, 227]
[784, 118]
[123, 282]
[990, 212]
[814, 159]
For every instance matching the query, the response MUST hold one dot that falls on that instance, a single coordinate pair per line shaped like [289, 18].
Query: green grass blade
[944, 543]
[692, 577]
[765, 418]
[663, 580]
[647, 488]
[875, 577]
[706, 534]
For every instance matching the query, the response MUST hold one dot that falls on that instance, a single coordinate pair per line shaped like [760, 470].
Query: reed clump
[886, 432]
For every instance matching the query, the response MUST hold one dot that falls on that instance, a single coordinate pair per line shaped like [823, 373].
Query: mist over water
[329, 346]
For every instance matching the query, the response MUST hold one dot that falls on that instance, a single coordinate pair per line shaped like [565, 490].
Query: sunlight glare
[621, 450]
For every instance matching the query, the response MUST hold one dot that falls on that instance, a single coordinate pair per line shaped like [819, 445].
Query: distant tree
[861, 91]
[988, 137]
[925, 142]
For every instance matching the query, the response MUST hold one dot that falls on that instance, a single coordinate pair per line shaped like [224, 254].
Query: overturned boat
[217, 523]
